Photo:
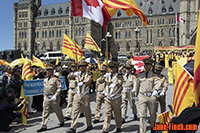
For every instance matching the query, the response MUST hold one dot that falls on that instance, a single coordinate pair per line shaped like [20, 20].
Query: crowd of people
[114, 85]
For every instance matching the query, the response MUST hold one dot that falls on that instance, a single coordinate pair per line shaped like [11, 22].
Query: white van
[53, 55]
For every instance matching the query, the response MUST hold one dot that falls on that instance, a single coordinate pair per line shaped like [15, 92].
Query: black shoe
[41, 129]
[118, 130]
[81, 115]
[67, 118]
[62, 124]
[135, 116]
[104, 132]
[88, 128]
[71, 130]
[123, 121]
[95, 121]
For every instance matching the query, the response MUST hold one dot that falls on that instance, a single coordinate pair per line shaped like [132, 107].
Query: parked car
[122, 57]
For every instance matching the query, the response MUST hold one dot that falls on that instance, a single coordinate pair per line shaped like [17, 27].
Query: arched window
[45, 12]
[162, 33]
[44, 46]
[116, 34]
[57, 33]
[171, 9]
[150, 11]
[60, 33]
[76, 31]
[126, 35]
[45, 34]
[38, 35]
[158, 33]
[119, 13]
[19, 46]
[53, 33]
[129, 34]
[58, 46]
[53, 11]
[66, 32]
[160, 44]
[83, 31]
[169, 20]
[163, 21]
[49, 34]
[60, 10]
[83, 43]
[119, 35]
[51, 46]
[164, 10]
[158, 22]
[170, 32]
[67, 10]
[127, 47]
[79, 31]
[25, 46]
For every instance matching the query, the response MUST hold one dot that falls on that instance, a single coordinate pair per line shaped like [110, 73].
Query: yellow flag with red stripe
[197, 67]
[91, 44]
[183, 90]
[98, 63]
[71, 49]
[38, 62]
[129, 6]
[57, 61]
[165, 118]
[26, 71]
[4, 63]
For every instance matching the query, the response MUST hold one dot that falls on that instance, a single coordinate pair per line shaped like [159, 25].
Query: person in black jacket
[6, 111]
[14, 86]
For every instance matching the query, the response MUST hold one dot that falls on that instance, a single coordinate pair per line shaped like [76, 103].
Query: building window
[160, 44]
[127, 47]
[25, 34]
[169, 20]
[60, 10]
[162, 2]
[76, 20]
[129, 34]
[119, 13]
[172, 20]
[51, 46]
[158, 22]
[162, 33]
[171, 43]
[118, 47]
[158, 33]
[58, 46]
[25, 24]
[140, 32]
[53, 11]
[45, 12]
[25, 46]
[39, 13]
[19, 25]
[67, 22]
[38, 34]
[151, 39]
[174, 32]
[116, 35]
[163, 21]
[38, 24]
[45, 23]
[49, 34]
[57, 33]
[67, 11]
[147, 36]
[44, 46]
[59, 22]
[66, 32]
[42, 34]
[79, 31]
[20, 15]
[83, 19]
[150, 11]
[60, 33]
[20, 35]
[164, 10]
[51, 23]
[83, 31]
[53, 33]
[45, 34]
[119, 35]
[126, 35]
[171, 9]
[170, 32]
[141, 4]
[76, 31]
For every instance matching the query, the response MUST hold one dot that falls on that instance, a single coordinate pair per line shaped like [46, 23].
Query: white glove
[136, 98]
[53, 98]
[112, 86]
[133, 91]
[80, 84]
[77, 73]
[155, 93]
[162, 94]
[107, 75]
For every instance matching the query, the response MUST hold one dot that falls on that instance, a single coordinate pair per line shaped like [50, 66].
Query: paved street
[130, 125]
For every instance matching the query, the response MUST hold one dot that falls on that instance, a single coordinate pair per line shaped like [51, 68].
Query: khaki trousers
[127, 95]
[78, 104]
[55, 105]
[99, 101]
[144, 102]
[161, 100]
[71, 95]
[114, 105]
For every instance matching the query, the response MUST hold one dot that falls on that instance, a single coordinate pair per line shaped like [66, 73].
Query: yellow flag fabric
[166, 61]
[110, 56]
[129, 6]
[38, 62]
[19, 61]
[91, 44]
[165, 118]
[170, 75]
[183, 90]
[57, 61]
[24, 110]
[22, 56]
[71, 49]
[197, 67]
[26, 71]
[4, 63]
[98, 63]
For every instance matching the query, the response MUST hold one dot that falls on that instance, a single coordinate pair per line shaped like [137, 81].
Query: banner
[36, 87]
[138, 63]
[174, 47]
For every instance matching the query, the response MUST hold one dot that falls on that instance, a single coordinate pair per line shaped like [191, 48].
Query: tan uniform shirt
[145, 85]
[100, 84]
[52, 86]
[161, 84]
[72, 81]
[130, 82]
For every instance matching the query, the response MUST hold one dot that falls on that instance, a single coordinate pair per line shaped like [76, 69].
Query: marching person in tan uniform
[147, 96]
[82, 97]
[52, 89]
[113, 97]
[161, 85]
[72, 90]
[128, 93]
[100, 87]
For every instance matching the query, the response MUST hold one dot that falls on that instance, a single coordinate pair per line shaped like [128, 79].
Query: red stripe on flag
[182, 96]
[73, 50]
[25, 112]
[27, 74]
[196, 78]
[163, 117]
[179, 89]
[67, 44]
[77, 8]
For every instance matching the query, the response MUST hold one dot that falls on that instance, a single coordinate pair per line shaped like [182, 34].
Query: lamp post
[108, 36]
[137, 43]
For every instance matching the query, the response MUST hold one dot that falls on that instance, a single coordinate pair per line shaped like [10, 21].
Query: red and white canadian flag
[138, 63]
[91, 9]
[178, 18]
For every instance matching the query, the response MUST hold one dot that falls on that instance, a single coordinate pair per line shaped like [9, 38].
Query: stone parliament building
[39, 28]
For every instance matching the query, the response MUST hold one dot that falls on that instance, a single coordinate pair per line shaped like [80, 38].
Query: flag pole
[106, 47]
[176, 30]
[74, 38]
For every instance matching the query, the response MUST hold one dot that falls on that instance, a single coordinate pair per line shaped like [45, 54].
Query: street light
[137, 43]
[108, 36]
